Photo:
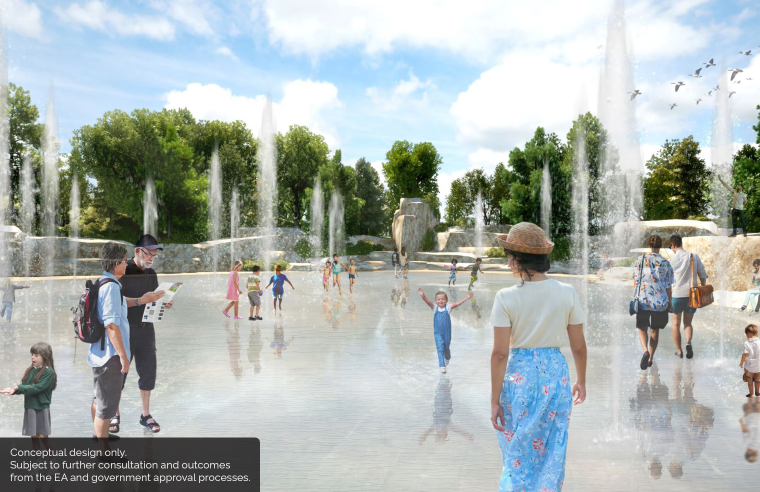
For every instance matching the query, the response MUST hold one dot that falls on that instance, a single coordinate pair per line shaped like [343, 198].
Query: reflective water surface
[345, 393]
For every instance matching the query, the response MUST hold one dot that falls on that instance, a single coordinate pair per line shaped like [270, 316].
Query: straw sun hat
[526, 238]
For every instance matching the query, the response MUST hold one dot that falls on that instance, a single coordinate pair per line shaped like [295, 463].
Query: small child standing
[233, 290]
[452, 272]
[751, 360]
[253, 285]
[278, 279]
[352, 274]
[9, 297]
[37, 385]
[474, 274]
[395, 262]
[326, 276]
[442, 324]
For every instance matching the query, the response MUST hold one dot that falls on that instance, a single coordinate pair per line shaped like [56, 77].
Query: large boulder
[635, 234]
[411, 221]
[728, 260]
[464, 240]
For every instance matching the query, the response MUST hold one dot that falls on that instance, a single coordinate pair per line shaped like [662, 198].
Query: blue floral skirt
[537, 402]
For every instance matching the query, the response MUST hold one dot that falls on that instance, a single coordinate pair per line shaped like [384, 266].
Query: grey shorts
[108, 381]
[253, 298]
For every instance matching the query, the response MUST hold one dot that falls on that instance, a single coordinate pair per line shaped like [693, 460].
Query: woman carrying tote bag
[531, 396]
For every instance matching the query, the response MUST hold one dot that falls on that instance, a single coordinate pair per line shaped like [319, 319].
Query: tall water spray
[234, 222]
[50, 194]
[337, 238]
[546, 200]
[267, 182]
[150, 209]
[215, 207]
[479, 225]
[617, 111]
[5, 170]
[74, 224]
[580, 209]
[27, 214]
[317, 222]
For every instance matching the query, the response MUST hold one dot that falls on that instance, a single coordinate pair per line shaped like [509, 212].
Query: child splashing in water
[452, 272]
[474, 274]
[442, 324]
[337, 264]
[37, 385]
[326, 272]
[278, 279]
[233, 290]
[352, 275]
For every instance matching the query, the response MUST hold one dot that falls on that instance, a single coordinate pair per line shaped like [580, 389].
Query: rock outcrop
[411, 221]
[728, 260]
[636, 234]
[463, 240]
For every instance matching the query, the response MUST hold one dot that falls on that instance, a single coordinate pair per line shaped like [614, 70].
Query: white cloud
[403, 94]
[487, 159]
[304, 102]
[378, 165]
[98, 16]
[193, 14]
[225, 51]
[23, 18]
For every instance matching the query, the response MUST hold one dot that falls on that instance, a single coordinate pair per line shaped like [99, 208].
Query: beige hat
[526, 237]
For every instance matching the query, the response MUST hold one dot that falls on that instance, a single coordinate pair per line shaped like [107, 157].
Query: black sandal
[644, 361]
[689, 351]
[151, 426]
[679, 355]
[116, 424]
[111, 437]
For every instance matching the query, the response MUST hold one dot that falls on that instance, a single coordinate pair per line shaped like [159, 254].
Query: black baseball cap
[148, 242]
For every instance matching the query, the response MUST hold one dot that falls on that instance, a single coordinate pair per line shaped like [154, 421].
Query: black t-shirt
[136, 283]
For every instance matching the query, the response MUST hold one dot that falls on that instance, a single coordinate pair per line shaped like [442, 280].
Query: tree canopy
[411, 170]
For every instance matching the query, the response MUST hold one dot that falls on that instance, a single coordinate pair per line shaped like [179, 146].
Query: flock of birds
[697, 75]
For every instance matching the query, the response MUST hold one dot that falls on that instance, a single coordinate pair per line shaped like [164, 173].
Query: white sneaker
[443, 370]
[446, 362]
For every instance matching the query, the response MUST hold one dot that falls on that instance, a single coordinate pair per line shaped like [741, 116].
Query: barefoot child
[37, 385]
[404, 258]
[352, 274]
[452, 272]
[326, 276]
[233, 290]
[474, 274]
[751, 360]
[253, 286]
[337, 264]
[278, 279]
[442, 324]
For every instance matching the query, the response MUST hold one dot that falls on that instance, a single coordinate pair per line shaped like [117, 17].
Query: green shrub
[442, 227]
[249, 264]
[362, 248]
[561, 251]
[304, 248]
[624, 262]
[495, 253]
[429, 240]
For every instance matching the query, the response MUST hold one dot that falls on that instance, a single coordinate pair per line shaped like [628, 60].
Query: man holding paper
[139, 282]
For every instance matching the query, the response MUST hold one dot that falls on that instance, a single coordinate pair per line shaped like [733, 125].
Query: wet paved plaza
[345, 393]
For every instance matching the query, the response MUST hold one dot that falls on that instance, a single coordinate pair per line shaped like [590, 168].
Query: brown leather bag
[701, 295]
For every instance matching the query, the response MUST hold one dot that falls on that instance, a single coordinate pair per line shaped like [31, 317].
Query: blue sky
[474, 78]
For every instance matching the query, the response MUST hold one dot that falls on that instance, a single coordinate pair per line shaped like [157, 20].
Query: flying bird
[709, 64]
[635, 93]
[731, 94]
[696, 74]
[677, 84]
[673, 106]
[748, 78]
[734, 72]
[709, 93]
[698, 101]
[737, 81]
[599, 47]
[717, 87]
[746, 53]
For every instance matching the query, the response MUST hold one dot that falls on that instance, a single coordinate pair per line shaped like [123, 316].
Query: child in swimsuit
[352, 275]
[326, 275]
[452, 272]
[474, 274]
[278, 280]
[337, 264]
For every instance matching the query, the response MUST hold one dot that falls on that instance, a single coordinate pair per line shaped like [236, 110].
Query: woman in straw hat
[531, 396]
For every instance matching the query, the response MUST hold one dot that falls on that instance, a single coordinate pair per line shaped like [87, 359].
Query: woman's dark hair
[655, 241]
[46, 352]
[528, 261]
[756, 262]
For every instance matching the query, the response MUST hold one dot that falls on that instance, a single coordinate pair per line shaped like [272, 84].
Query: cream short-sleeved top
[538, 313]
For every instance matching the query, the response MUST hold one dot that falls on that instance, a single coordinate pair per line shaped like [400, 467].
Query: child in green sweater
[37, 385]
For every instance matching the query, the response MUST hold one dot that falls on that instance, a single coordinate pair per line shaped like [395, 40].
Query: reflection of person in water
[476, 308]
[336, 315]
[652, 420]
[233, 347]
[352, 311]
[254, 349]
[404, 294]
[691, 421]
[442, 411]
[278, 343]
[750, 425]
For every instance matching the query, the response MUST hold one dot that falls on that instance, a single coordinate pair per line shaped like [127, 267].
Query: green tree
[458, 203]
[747, 173]
[336, 176]
[500, 191]
[677, 185]
[463, 197]
[412, 171]
[370, 189]
[301, 154]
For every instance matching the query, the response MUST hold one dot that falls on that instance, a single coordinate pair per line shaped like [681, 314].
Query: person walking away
[442, 324]
[754, 289]
[687, 267]
[739, 201]
[751, 360]
[278, 280]
[474, 273]
[9, 297]
[531, 396]
[404, 259]
[395, 262]
[37, 385]
[253, 286]
[652, 281]
[233, 289]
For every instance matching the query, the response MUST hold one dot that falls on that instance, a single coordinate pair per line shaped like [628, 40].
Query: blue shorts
[351, 275]
[681, 305]
[277, 293]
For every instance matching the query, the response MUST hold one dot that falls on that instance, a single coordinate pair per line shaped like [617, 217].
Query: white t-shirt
[681, 264]
[752, 438]
[446, 308]
[752, 348]
[739, 200]
[538, 313]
